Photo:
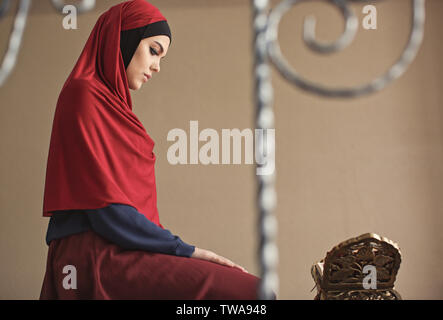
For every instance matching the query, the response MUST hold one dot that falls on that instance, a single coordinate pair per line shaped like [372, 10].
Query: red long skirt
[99, 269]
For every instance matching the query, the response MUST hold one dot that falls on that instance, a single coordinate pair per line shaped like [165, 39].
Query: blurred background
[344, 166]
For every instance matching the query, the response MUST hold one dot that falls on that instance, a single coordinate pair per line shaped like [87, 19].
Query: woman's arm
[125, 226]
[128, 228]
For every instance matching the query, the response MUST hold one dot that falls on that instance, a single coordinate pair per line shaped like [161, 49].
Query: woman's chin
[135, 86]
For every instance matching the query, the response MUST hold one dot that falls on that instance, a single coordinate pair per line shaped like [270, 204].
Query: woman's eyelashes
[153, 52]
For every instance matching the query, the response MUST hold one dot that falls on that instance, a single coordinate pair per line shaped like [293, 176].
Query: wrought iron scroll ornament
[289, 73]
[266, 48]
[15, 39]
[16, 36]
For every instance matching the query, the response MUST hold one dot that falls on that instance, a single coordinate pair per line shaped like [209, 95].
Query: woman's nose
[156, 67]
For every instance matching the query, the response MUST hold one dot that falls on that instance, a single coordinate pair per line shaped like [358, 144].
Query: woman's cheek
[133, 84]
[139, 83]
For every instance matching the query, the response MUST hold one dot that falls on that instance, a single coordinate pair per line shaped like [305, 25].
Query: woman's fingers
[212, 256]
[225, 261]
[241, 268]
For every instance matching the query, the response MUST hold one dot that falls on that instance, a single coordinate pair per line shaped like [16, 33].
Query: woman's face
[146, 60]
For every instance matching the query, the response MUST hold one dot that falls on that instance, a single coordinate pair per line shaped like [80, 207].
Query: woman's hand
[213, 257]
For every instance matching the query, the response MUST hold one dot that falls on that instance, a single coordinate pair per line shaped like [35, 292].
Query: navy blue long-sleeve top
[121, 224]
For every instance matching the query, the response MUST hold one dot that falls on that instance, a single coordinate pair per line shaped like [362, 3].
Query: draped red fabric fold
[104, 271]
[100, 152]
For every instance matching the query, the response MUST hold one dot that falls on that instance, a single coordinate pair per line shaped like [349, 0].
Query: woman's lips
[147, 77]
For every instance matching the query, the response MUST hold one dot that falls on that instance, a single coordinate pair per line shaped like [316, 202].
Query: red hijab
[100, 153]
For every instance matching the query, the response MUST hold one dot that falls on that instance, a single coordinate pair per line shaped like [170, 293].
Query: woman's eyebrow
[161, 47]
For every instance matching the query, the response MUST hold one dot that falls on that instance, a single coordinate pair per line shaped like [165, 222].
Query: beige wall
[344, 167]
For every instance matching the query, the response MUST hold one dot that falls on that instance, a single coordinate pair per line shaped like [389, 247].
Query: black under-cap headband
[130, 39]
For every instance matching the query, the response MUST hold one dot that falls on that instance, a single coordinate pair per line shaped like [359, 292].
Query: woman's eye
[154, 52]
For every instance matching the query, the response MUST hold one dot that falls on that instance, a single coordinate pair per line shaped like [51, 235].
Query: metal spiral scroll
[15, 39]
[266, 47]
[289, 73]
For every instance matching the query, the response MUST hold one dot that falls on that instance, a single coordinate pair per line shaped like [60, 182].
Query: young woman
[105, 237]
